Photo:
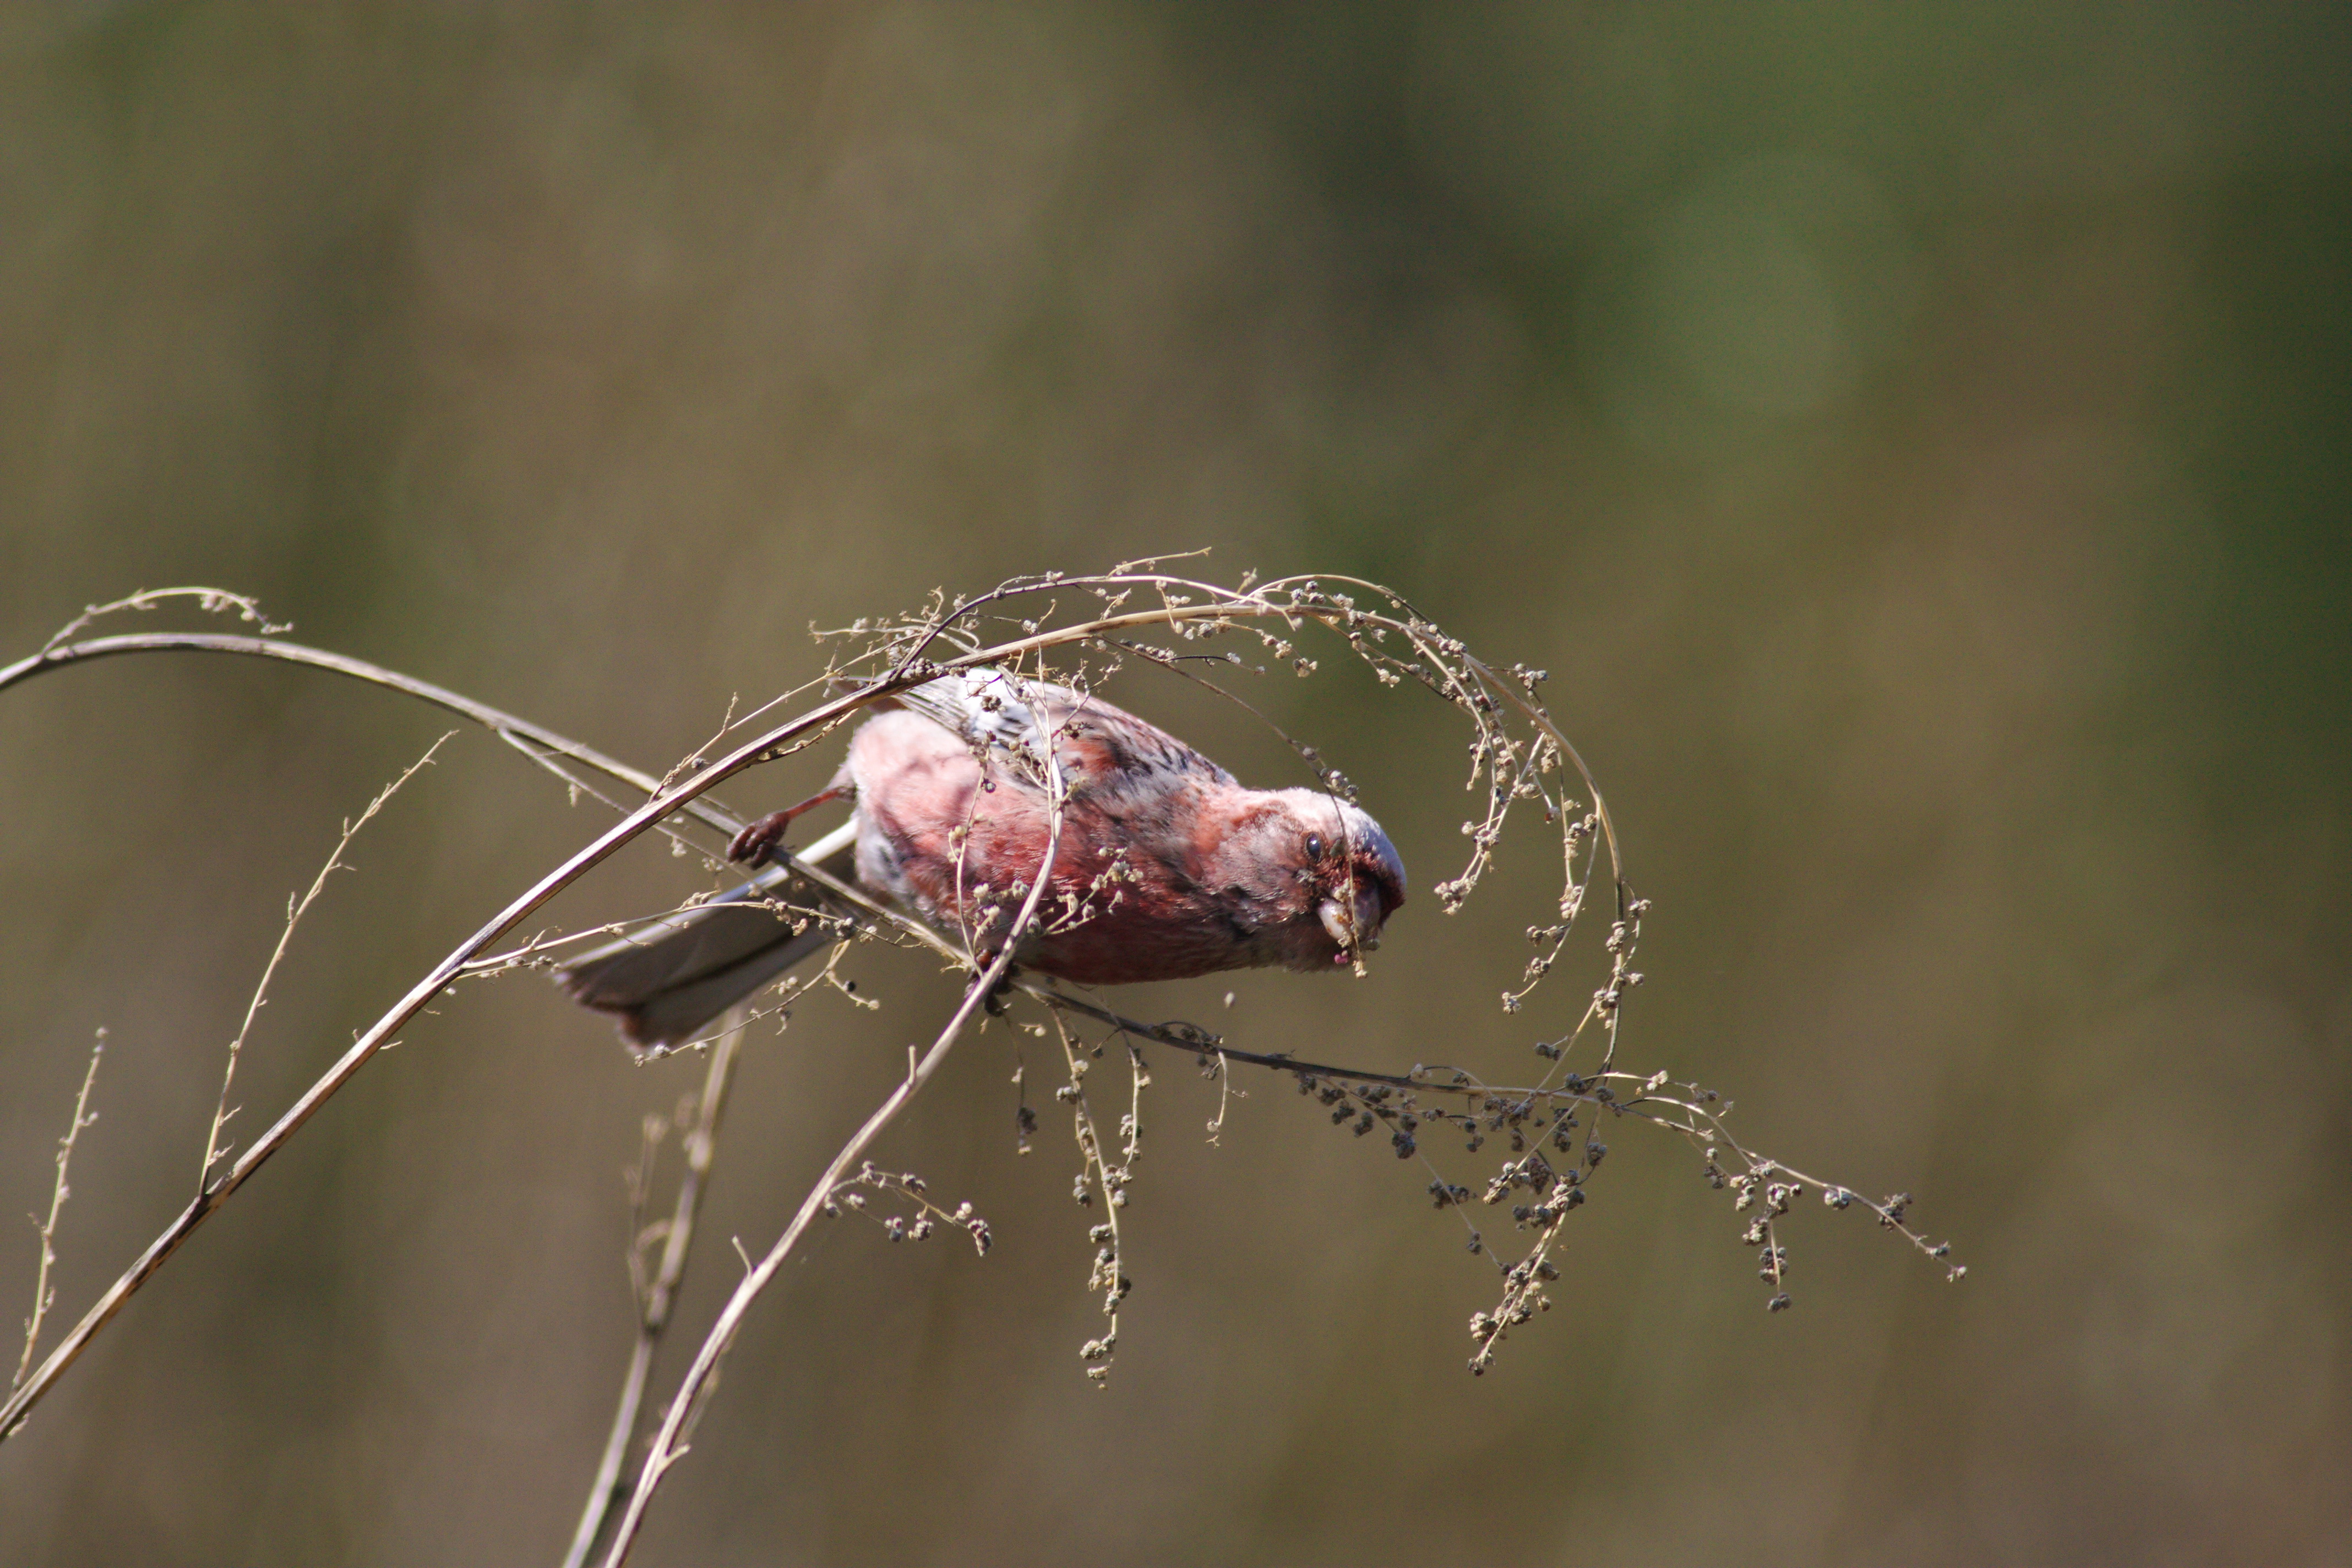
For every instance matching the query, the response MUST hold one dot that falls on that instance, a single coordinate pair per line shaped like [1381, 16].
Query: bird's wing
[1100, 746]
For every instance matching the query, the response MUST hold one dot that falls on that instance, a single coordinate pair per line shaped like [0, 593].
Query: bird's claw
[762, 839]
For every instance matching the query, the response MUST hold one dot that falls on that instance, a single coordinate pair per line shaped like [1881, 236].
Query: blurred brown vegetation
[1915, 442]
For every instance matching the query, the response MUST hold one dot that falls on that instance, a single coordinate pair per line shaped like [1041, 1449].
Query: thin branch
[42, 1295]
[295, 910]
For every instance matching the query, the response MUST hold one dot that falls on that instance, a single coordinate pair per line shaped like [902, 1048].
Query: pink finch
[1166, 867]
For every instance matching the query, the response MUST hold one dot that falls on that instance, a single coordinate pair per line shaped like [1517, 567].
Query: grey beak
[1362, 933]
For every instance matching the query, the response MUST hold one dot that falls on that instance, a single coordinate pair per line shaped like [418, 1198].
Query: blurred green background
[1916, 440]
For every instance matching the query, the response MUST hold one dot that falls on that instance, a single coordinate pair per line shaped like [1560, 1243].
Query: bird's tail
[670, 976]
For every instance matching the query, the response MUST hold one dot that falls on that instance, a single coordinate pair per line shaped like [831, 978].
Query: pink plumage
[1166, 867]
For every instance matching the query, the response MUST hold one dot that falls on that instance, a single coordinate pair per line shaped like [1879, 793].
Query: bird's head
[1312, 879]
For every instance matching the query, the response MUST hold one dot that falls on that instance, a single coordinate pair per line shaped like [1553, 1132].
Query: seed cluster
[913, 1216]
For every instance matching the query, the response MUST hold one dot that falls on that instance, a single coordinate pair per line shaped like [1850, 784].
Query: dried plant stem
[212, 601]
[667, 1447]
[42, 1295]
[659, 1294]
[295, 910]
[1109, 1274]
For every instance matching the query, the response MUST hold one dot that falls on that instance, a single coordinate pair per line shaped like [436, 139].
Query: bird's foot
[764, 838]
[756, 843]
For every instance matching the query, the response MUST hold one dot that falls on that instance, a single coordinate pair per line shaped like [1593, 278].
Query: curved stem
[482, 714]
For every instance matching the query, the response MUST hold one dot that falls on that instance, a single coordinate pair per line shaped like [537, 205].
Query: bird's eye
[1313, 846]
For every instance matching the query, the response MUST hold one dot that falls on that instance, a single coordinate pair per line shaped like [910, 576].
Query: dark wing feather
[668, 977]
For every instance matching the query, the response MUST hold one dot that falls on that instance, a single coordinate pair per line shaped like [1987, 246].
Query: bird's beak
[1357, 930]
